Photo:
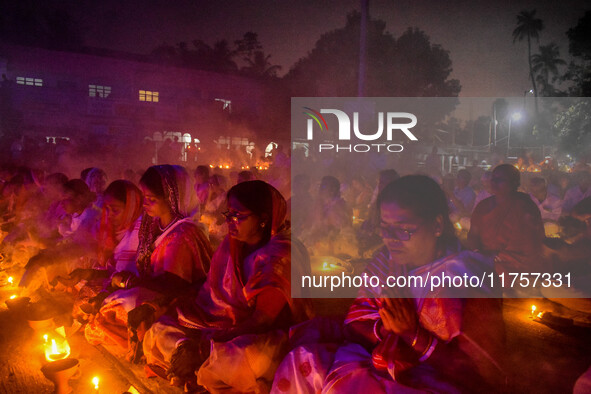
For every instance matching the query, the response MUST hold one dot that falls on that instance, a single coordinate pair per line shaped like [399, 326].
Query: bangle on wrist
[376, 329]
[429, 350]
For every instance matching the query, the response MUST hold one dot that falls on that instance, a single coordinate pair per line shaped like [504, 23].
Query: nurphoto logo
[395, 122]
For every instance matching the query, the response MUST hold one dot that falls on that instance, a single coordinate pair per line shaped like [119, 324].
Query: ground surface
[543, 359]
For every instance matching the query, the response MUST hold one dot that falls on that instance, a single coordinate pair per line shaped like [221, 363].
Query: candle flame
[45, 337]
[12, 297]
[533, 309]
[95, 381]
[10, 279]
[458, 225]
[57, 351]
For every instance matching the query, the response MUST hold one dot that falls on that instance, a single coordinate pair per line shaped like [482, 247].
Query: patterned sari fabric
[228, 300]
[182, 249]
[470, 348]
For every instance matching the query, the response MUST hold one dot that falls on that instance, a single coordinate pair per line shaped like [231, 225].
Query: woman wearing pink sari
[238, 322]
[173, 255]
[409, 339]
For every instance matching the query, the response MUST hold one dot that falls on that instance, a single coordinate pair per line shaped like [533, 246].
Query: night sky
[477, 33]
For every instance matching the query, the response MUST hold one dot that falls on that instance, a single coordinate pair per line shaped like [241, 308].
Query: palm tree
[545, 64]
[528, 26]
[259, 66]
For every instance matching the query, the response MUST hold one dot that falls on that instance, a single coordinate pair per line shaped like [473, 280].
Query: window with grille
[147, 95]
[99, 91]
[29, 81]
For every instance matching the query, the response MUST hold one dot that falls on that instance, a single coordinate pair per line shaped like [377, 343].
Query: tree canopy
[410, 66]
[579, 70]
[246, 56]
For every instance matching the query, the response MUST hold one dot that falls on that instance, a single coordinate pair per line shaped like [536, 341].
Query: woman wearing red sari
[173, 254]
[245, 306]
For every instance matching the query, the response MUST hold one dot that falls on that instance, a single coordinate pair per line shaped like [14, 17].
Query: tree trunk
[531, 74]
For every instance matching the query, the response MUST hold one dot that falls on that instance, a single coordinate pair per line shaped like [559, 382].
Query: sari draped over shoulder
[440, 313]
[227, 300]
[182, 249]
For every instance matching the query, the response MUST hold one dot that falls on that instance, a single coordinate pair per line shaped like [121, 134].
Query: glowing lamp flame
[227, 166]
[533, 309]
[458, 225]
[211, 166]
[56, 352]
[45, 338]
[12, 297]
[10, 280]
[95, 381]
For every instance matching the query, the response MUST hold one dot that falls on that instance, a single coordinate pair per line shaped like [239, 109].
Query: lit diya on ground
[16, 303]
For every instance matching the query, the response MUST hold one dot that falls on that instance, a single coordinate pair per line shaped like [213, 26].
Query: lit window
[29, 81]
[99, 91]
[146, 95]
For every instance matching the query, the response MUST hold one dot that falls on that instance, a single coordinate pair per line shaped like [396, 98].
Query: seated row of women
[234, 319]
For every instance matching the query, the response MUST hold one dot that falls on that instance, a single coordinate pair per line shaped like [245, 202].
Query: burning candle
[45, 337]
[56, 352]
[12, 297]
[10, 280]
[533, 311]
[95, 381]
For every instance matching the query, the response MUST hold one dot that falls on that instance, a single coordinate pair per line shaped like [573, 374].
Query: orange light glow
[533, 311]
[57, 351]
[12, 297]
[10, 280]
[95, 381]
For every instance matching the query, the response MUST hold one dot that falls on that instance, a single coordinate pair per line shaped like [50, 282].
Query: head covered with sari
[95, 178]
[173, 184]
[267, 203]
[131, 197]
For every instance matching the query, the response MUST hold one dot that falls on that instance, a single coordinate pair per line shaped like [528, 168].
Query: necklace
[169, 224]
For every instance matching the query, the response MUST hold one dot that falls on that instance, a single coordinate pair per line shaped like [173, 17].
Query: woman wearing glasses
[400, 335]
[245, 305]
[173, 257]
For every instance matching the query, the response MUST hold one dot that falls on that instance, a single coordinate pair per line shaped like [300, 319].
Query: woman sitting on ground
[118, 243]
[245, 306]
[77, 222]
[173, 255]
[401, 337]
